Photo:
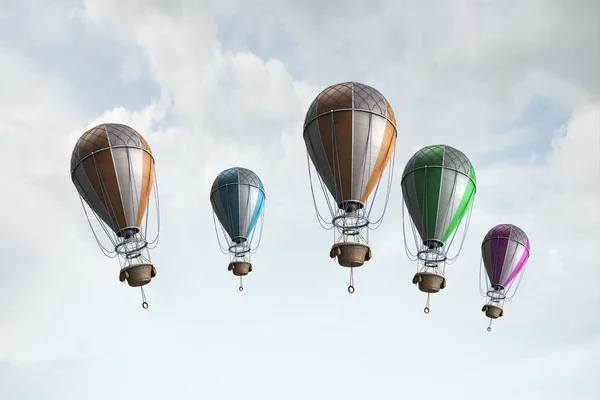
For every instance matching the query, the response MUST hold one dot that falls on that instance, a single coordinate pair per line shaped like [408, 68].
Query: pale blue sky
[215, 84]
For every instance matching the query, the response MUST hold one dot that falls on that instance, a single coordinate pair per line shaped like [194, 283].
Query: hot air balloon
[112, 168]
[238, 201]
[438, 186]
[504, 254]
[350, 135]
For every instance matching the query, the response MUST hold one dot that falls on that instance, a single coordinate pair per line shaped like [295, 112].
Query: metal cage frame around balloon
[352, 225]
[239, 251]
[498, 294]
[130, 243]
[240, 248]
[433, 256]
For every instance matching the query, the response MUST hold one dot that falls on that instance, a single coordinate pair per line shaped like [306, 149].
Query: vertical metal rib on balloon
[438, 187]
[350, 135]
[238, 199]
[504, 255]
[112, 168]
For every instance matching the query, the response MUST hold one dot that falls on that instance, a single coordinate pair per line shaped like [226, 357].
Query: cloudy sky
[212, 84]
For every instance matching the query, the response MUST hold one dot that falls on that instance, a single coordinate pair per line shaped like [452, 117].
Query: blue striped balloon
[238, 197]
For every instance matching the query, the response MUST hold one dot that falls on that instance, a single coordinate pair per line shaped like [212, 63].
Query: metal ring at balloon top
[145, 305]
[426, 310]
[351, 289]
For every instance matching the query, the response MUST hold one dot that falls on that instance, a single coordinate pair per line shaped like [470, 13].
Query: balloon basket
[138, 275]
[493, 312]
[240, 268]
[351, 255]
[429, 283]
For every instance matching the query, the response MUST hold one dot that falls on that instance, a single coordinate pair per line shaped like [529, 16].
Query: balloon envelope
[237, 197]
[505, 251]
[438, 186]
[350, 133]
[113, 170]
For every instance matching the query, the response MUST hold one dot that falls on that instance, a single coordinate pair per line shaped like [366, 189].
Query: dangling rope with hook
[426, 309]
[489, 328]
[351, 286]
[241, 288]
[144, 302]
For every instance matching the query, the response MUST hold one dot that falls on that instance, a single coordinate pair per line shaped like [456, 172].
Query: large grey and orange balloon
[350, 136]
[112, 168]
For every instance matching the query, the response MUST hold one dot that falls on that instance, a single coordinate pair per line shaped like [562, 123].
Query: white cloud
[501, 53]
[70, 320]
[131, 70]
[37, 223]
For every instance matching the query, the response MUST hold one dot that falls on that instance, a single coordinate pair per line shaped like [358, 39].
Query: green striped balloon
[438, 186]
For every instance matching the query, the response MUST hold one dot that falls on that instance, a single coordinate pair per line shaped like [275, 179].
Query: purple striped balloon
[505, 251]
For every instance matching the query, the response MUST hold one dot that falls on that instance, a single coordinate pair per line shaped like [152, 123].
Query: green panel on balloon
[465, 204]
[427, 185]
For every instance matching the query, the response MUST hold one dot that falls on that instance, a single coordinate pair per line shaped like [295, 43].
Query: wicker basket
[351, 254]
[493, 312]
[240, 268]
[429, 283]
[138, 275]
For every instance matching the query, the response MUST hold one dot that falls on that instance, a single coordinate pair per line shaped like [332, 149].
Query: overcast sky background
[213, 84]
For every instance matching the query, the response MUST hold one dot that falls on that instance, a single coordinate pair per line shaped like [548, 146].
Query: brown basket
[351, 254]
[492, 312]
[138, 275]
[240, 268]
[429, 283]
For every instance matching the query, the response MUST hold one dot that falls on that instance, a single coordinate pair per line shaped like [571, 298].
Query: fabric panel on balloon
[457, 193]
[95, 177]
[226, 201]
[126, 181]
[438, 187]
[316, 152]
[86, 173]
[494, 254]
[505, 252]
[384, 151]
[238, 200]
[336, 131]
[518, 236]
[251, 200]
[372, 141]
[465, 203]
[421, 187]
[350, 139]
[258, 196]
[134, 168]
[315, 145]
[513, 262]
[113, 174]
[129, 159]
[366, 144]
[147, 180]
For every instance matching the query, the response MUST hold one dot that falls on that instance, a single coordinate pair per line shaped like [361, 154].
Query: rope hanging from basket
[144, 302]
[351, 286]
